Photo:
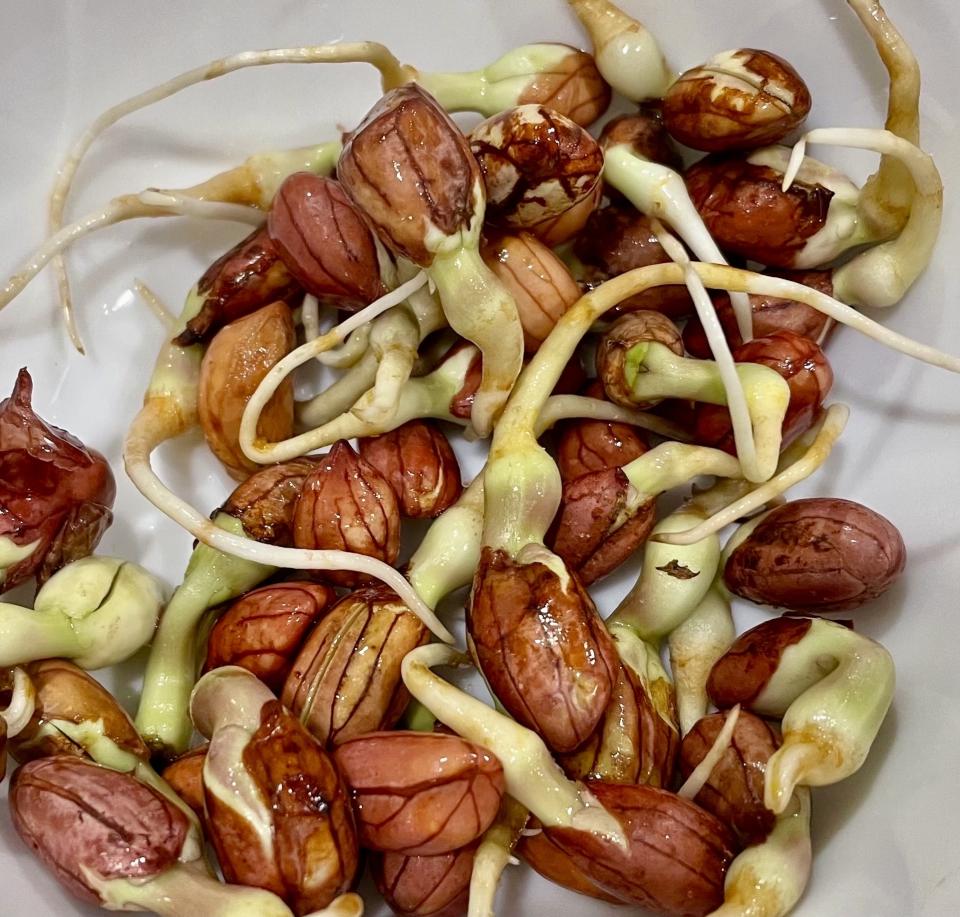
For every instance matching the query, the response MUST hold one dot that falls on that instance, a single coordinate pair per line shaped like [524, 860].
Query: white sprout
[701, 773]
[720, 347]
[23, 700]
[156, 304]
[176, 202]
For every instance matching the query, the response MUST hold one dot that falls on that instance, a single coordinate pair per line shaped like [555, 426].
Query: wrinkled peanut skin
[543, 650]
[536, 165]
[618, 238]
[346, 504]
[185, 776]
[617, 342]
[53, 490]
[596, 529]
[265, 502]
[644, 131]
[817, 555]
[741, 674]
[325, 242]
[248, 277]
[596, 445]
[634, 743]
[807, 372]
[677, 853]
[75, 815]
[235, 363]
[425, 886]
[734, 792]
[574, 88]
[544, 855]
[315, 855]
[66, 692]
[770, 315]
[748, 214]
[346, 681]
[418, 462]
[712, 111]
[410, 170]
[420, 793]
[538, 280]
[263, 630]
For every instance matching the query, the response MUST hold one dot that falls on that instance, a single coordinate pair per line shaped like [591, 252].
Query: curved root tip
[786, 769]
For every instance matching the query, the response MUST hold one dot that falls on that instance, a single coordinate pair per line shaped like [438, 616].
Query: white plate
[885, 840]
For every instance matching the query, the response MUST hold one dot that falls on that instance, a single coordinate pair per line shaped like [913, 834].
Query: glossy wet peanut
[544, 855]
[185, 776]
[573, 87]
[425, 886]
[817, 555]
[646, 134]
[420, 793]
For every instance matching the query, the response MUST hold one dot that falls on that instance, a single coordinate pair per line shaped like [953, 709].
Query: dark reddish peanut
[53, 490]
[619, 339]
[599, 523]
[736, 100]
[537, 166]
[325, 242]
[817, 555]
[263, 630]
[618, 238]
[538, 280]
[573, 87]
[78, 817]
[66, 693]
[741, 674]
[185, 776]
[572, 378]
[770, 314]
[807, 372]
[734, 791]
[249, 276]
[346, 680]
[347, 505]
[265, 502]
[544, 855]
[542, 647]
[410, 170]
[676, 857]
[314, 855]
[634, 743]
[462, 402]
[420, 793]
[425, 886]
[748, 213]
[596, 445]
[419, 464]
[234, 364]
[3, 748]
[644, 131]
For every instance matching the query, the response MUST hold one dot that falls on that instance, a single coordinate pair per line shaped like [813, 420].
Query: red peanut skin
[544, 855]
[325, 242]
[347, 505]
[346, 680]
[408, 167]
[315, 855]
[74, 814]
[817, 555]
[249, 276]
[543, 650]
[706, 115]
[263, 630]
[734, 792]
[574, 88]
[419, 463]
[589, 532]
[677, 853]
[53, 490]
[770, 314]
[741, 673]
[418, 793]
[807, 372]
[185, 776]
[748, 214]
[425, 886]
[645, 132]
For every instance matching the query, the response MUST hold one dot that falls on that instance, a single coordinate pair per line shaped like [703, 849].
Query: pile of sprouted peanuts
[468, 278]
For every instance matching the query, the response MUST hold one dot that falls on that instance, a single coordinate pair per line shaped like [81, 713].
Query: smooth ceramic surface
[885, 840]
